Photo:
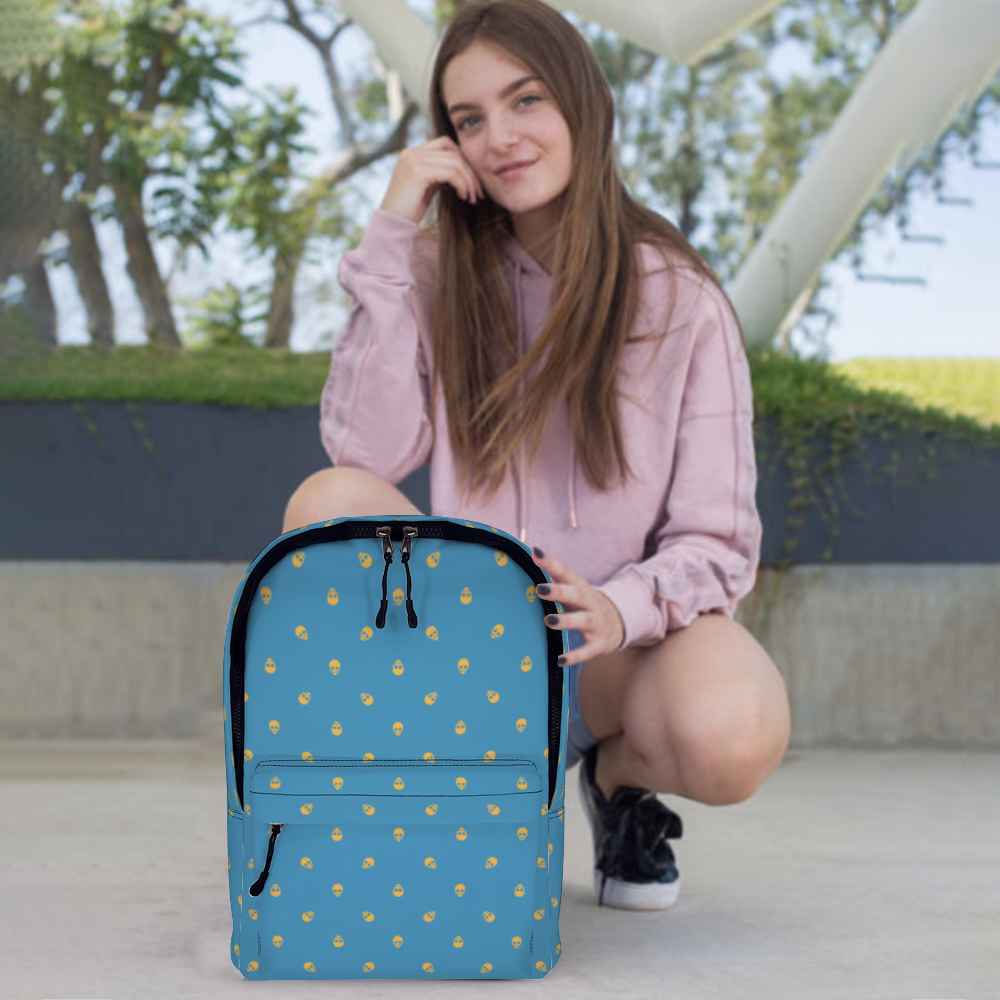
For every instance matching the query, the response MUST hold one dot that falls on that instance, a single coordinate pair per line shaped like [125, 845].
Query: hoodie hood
[527, 276]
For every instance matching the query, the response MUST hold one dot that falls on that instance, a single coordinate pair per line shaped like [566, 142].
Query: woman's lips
[516, 171]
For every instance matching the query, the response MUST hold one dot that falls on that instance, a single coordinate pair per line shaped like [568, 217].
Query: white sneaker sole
[637, 895]
[629, 895]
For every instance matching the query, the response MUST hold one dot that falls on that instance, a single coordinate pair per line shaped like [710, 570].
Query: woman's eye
[468, 118]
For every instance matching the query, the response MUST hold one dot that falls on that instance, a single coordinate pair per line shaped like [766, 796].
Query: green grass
[963, 386]
[955, 396]
[244, 376]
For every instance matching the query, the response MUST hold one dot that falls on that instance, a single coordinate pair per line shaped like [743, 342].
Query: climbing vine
[809, 418]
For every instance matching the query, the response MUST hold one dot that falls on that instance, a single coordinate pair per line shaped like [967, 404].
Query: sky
[955, 313]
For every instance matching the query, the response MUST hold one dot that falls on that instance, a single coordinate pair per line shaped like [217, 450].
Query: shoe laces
[636, 833]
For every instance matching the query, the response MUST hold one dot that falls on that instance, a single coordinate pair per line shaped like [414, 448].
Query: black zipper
[447, 530]
[258, 887]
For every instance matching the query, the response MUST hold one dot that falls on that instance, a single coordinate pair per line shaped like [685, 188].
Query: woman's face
[496, 125]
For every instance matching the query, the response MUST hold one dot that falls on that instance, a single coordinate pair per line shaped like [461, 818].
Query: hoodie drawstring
[572, 485]
[519, 258]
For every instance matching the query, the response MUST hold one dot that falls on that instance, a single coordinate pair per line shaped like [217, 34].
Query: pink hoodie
[681, 540]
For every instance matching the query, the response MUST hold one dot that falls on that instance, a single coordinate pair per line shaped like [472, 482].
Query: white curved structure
[939, 60]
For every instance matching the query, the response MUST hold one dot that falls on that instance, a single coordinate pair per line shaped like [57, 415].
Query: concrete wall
[873, 655]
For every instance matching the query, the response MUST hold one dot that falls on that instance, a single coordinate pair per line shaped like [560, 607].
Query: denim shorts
[578, 739]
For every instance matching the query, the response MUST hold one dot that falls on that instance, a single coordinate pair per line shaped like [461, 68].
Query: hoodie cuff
[629, 593]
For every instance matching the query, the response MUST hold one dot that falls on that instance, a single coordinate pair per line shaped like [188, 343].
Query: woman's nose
[502, 134]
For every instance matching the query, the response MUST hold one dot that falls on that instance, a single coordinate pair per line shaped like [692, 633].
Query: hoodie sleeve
[708, 544]
[374, 412]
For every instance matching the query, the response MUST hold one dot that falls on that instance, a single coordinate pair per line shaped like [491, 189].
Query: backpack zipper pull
[385, 533]
[258, 887]
[409, 533]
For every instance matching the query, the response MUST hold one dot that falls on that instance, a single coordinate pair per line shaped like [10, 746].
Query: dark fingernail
[551, 619]
[539, 554]
[544, 589]
[561, 661]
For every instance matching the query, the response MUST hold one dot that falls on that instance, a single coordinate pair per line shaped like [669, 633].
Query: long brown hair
[595, 270]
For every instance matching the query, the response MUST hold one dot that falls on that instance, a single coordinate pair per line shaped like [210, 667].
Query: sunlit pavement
[849, 874]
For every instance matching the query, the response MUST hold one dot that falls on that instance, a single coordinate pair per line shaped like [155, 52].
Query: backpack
[392, 761]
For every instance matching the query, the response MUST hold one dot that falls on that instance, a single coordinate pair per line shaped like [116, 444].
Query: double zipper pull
[409, 533]
[385, 533]
[258, 887]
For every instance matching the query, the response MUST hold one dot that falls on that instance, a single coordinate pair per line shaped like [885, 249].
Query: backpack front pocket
[393, 869]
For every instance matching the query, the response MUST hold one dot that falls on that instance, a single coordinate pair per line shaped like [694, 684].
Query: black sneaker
[634, 866]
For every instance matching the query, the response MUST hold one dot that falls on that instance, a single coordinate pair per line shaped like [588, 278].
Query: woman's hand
[421, 170]
[587, 609]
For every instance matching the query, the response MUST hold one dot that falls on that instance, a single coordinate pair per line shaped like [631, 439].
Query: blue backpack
[393, 762]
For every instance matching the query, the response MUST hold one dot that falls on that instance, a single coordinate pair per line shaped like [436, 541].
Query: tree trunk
[282, 312]
[39, 303]
[85, 261]
[143, 268]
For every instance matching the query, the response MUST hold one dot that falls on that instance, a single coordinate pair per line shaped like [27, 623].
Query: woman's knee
[341, 491]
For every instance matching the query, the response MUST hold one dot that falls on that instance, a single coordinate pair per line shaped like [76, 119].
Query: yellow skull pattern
[507, 672]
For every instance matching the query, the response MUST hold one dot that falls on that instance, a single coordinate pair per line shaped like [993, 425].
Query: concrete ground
[849, 874]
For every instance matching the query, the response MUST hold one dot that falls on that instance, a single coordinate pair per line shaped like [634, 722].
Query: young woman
[545, 307]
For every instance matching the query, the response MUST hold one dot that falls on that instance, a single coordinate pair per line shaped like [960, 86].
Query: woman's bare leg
[340, 492]
[704, 713]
